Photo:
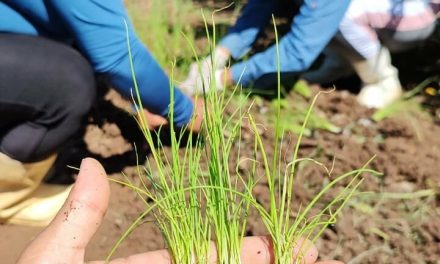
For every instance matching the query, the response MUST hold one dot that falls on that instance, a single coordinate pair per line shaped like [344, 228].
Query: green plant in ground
[177, 210]
[197, 197]
[406, 103]
[192, 206]
[284, 230]
[227, 210]
[293, 118]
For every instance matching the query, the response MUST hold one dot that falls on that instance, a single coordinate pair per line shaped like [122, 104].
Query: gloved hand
[201, 76]
[381, 85]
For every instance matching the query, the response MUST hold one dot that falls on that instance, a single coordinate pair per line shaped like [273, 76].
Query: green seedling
[198, 197]
[405, 104]
[302, 88]
[293, 118]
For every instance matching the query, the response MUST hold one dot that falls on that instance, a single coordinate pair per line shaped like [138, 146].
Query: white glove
[381, 85]
[200, 76]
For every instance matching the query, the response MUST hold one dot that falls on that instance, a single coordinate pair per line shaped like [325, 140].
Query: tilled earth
[394, 220]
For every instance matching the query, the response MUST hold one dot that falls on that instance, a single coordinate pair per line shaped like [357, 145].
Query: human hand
[154, 121]
[195, 124]
[199, 78]
[65, 239]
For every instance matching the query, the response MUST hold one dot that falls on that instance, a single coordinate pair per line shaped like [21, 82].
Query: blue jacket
[97, 28]
[311, 30]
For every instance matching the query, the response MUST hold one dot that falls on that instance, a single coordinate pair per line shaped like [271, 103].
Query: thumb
[66, 237]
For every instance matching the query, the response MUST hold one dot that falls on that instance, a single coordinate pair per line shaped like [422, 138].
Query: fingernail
[83, 164]
[87, 163]
[82, 168]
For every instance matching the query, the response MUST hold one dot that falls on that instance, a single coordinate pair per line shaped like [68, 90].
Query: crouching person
[47, 87]
[368, 32]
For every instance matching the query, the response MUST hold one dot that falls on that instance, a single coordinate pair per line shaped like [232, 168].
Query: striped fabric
[366, 19]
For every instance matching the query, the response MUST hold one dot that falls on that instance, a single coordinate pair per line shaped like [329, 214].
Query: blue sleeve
[99, 31]
[13, 22]
[312, 28]
[255, 15]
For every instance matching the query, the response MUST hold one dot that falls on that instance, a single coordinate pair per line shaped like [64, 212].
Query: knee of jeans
[80, 92]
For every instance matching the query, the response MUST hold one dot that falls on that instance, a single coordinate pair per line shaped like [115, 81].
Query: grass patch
[198, 194]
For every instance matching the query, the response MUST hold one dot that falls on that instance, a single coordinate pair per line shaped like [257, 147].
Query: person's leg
[46, 89]
[23, 200]
[363, 31]
[334, 66]
[370, 60]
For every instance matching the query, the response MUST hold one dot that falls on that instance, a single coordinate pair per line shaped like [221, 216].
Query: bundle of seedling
[200, 202]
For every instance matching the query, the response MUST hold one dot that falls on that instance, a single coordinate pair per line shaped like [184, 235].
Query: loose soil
[380, 225]
[372, 229]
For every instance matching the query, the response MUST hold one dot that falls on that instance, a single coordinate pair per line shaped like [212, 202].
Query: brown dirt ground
[371, 229]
